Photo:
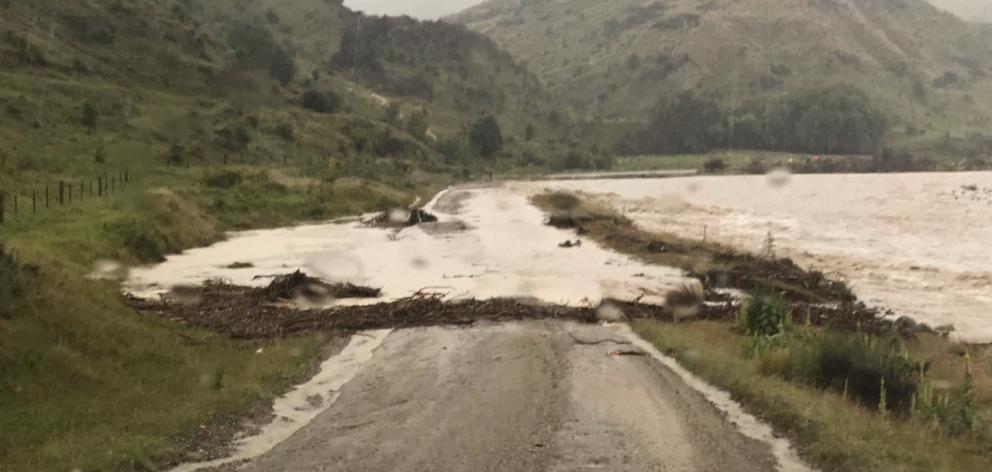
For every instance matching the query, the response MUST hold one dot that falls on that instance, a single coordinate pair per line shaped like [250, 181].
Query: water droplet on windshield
[398, 216]
[779, 177]
[609, 312]
[106, 269]
[185, 295]
[420, 263]
[313, 295]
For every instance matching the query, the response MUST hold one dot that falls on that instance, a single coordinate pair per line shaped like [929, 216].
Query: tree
[486, 136]
[685, 123]
[455, 149]
[530, 133]
[254, 45]
[281, 66]
[417, 126]
[320, 102]
[91, 116]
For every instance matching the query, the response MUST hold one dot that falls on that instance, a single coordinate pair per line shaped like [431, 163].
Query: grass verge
[831, 432]
[90, 384]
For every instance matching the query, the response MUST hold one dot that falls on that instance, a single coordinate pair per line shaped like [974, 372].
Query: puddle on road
[297, 408]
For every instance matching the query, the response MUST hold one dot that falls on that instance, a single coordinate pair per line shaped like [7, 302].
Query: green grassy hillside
[927, 70]
[228, 115]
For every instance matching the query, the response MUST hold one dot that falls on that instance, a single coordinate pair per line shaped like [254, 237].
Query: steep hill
[926, 69]
[229, 114]
[188, 73]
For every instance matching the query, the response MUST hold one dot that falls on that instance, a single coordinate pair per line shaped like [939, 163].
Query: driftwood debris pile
[250, 313]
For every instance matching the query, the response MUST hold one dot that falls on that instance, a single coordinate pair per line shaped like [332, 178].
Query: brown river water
[918, 244]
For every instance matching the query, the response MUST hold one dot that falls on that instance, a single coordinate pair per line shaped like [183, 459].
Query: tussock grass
[831, 432]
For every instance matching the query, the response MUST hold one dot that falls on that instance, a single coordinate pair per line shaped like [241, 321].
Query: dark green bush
[223, 180]
[715, 165]
[763, 316]
[321, 102]
[857, 364]
[14, 283]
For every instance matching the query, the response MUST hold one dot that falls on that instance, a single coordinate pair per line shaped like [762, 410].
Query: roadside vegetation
[852, 391]
[80, 366]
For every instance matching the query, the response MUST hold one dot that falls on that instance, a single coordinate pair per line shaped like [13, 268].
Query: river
[918, 244]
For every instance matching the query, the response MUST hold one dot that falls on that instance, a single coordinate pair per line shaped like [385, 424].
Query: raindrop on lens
[185, 295]
[106, 269]
[419, 263]
[398, 216]
[779, 177]
[609, 312]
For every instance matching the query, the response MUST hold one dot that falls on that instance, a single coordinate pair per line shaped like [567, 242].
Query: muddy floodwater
[490, 242]
[919, 244]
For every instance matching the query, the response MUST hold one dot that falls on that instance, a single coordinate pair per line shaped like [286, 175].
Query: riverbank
[846, 435]
[88, 383]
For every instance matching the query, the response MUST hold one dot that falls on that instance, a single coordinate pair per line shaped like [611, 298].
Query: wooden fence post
[47, 205]
[61, 193]
[113, 184]
[34, 201]
[70, 192]
[3, 204]
[15, 205]
[99, 186]
[82, 186]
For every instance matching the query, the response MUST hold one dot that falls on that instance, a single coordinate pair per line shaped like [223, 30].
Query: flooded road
[539, 395]
[489, 243]
[919, 244]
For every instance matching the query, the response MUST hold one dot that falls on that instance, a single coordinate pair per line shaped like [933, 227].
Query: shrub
[13, 283]
[392, 114]
[715, 165]
[858, 364]
[91, 116]
[486, 136]
[763, 316]
[286, 132]
[176, 155]
[321, 102]
[417, 126]
[223, 180]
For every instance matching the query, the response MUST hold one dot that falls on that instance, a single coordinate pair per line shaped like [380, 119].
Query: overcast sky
[425, 9]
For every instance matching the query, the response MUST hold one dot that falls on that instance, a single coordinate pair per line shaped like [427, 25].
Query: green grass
[90, 384]
[831, 432]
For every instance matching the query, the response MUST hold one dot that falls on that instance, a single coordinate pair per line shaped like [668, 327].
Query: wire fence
[61, 194]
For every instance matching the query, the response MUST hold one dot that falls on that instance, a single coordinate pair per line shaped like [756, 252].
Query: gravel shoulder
[516, 397]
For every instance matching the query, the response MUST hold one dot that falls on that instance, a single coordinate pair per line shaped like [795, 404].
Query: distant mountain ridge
[926, 68]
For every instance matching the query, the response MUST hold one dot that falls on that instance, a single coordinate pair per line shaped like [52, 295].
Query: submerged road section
[536, 396]
[532, 396]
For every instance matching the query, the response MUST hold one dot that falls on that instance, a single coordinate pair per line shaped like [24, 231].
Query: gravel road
[532, 396]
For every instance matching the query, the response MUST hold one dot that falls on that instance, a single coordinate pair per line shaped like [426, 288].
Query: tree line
[837, 119]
